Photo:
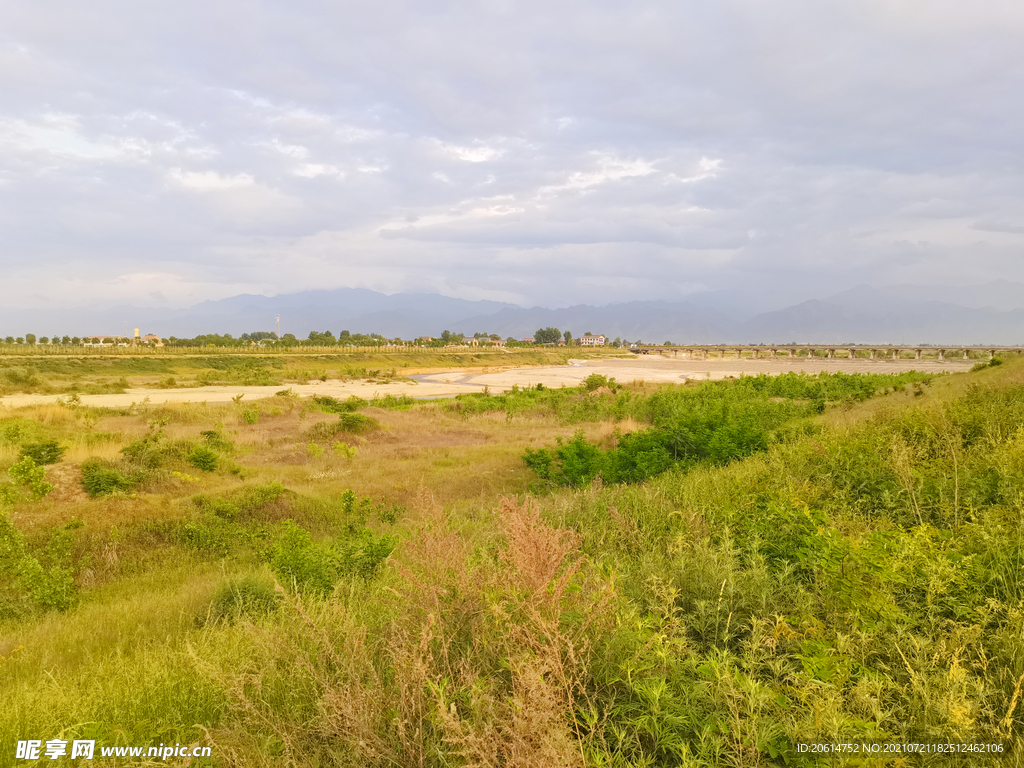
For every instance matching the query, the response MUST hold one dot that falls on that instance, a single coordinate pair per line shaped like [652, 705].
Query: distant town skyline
[525, 152]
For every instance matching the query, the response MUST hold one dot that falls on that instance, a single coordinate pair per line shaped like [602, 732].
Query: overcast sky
[534, 152]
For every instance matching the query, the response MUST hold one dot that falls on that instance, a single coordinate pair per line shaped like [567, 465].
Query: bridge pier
[873, 351]
[991, 354]
[942, 357]
[853, 354]
[917, 354]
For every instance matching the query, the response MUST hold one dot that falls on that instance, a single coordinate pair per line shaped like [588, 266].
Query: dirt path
[455, 382]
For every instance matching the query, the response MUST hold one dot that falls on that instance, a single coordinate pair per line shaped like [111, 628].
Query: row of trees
[316, 339]
[30, 339]
[269, 338]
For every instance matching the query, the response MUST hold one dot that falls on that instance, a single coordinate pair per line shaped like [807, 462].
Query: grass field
[115, 371]
[709, 574]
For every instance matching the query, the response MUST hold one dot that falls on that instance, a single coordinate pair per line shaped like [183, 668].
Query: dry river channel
[449, 383]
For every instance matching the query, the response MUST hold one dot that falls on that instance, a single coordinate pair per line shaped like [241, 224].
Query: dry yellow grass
[465, 459]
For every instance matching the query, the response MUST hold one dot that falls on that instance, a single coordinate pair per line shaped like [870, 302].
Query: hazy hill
[908, 314]
[898, 314]
[680, 322]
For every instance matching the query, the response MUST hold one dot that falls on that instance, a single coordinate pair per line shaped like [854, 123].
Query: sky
[539, 153]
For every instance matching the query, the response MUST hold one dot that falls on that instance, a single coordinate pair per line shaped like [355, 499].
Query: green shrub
[19, 430]
[51, 588]
[145, 451]
[28, 581]
[249, 597]
[215, 439]
[344, 449]
[396, 403]
[216, 538]
[357, 423]
[596, 381]
[49, 452]
[349, 423]
[203, 458]
[314, 568]
[302, 565]
[251, 415]
[101, 478]
[244, 503]
[713, 423]
[331, 405]
[30, 476]
[990, 364]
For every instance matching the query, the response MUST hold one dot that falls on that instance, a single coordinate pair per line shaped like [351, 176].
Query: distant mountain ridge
[990, 313]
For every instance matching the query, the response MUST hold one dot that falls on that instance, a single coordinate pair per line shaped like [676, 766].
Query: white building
[591, 341]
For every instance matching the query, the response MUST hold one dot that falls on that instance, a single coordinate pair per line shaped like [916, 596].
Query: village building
[590, 340]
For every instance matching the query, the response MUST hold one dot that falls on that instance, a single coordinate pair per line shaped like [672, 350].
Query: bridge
[879, 352]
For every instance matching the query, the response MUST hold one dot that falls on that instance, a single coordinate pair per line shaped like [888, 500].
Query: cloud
[210, 180]
[552, 153]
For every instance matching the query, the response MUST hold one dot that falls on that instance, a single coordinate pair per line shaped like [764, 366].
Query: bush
[314, 568]
[25, 582]
[101, 478]
[990, 364]
[357, 423]
[248, 597]
[27, 474]
[251, 415]
[331, 405]
[574, 463]
[145, 451]
[216, 538]
[596, 381]
[215, 440]
[350, 423]
[49, 452]
[344, 449]
[302, 565]
[203, 458]
[19, 430]
[246, 503]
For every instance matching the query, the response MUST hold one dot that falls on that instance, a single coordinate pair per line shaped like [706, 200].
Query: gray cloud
[529, 152]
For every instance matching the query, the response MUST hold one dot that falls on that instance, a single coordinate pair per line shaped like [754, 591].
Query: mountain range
[989, 313]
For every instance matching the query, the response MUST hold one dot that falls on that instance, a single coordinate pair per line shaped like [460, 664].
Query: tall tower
[278, 326]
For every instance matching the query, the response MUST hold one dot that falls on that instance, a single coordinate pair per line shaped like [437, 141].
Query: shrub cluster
[250, 597]
[42, 580]
[47, 452]
[101, 477]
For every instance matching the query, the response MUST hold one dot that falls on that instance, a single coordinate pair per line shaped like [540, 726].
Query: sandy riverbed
[653, 369]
